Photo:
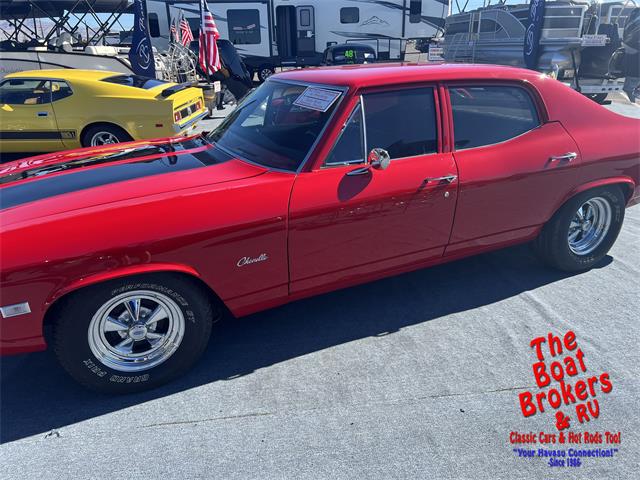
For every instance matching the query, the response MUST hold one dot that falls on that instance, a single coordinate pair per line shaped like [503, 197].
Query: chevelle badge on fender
[318, 180]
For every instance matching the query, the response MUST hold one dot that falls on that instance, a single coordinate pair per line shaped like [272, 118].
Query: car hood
[120, 171]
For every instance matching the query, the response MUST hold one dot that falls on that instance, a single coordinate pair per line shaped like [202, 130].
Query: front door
[306, 26]
[348, 223]
[27, 121]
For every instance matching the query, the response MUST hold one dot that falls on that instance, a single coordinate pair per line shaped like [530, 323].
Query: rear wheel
[581, 233]
[264, 72]
[104, 134]
[133, 334]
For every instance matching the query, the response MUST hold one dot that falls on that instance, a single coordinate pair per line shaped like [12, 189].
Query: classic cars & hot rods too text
[319, 179]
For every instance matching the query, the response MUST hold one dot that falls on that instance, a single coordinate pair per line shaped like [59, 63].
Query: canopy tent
[21, 19]
[17, 9]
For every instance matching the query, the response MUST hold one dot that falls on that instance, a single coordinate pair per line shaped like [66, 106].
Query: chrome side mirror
[379, 159]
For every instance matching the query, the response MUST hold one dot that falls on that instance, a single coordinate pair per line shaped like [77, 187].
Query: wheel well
[108, 124]
[213, 297]
[625, 188]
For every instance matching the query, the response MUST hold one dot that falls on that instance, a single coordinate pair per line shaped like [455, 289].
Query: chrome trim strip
[364, 129]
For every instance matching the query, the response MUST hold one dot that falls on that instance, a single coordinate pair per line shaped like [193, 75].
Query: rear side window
[60, 90]
[402, 122]
[484, 115]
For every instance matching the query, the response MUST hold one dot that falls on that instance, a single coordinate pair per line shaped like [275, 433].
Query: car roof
[377, 74]
[65, 74]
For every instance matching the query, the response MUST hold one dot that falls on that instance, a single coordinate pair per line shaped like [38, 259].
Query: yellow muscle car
[49, 110]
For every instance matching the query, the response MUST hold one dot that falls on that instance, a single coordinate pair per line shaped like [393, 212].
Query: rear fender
[622, 180]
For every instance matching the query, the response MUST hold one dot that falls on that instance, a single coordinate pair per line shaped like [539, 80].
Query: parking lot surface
[415, 376]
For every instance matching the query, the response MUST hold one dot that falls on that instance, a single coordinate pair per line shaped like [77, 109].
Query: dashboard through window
[484, 115]
[277, 125]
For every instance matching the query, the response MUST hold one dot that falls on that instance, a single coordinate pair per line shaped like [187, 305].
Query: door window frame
[438, 106]
[534, 96]
[358, 105]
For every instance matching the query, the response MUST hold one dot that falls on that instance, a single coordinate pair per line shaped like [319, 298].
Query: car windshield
[277, 125]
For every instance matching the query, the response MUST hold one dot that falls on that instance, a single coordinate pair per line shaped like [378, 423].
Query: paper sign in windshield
[317, 99]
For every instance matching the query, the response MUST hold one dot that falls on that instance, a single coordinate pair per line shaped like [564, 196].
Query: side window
[349, 148]
[244, 26]
[402, 122]
[350, 15]
[415, 11]
[154, 25]
[484, 115]
[305, 17]
[25, 92]
[60, 90]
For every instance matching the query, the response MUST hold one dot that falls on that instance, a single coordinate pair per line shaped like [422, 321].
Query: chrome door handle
[569, 157]
[446, 178]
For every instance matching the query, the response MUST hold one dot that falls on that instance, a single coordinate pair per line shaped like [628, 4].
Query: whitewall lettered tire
[134, 333]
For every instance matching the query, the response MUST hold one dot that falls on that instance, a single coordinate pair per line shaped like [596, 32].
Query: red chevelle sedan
[320, 179]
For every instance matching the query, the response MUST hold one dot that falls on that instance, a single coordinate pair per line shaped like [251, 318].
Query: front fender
[120, 273]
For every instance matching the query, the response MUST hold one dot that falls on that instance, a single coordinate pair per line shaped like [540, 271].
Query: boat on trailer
[578, 40]
[44, 34]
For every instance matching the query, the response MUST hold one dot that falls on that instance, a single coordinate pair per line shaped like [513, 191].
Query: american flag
[174, 32]
[208, 53]
[185, 32]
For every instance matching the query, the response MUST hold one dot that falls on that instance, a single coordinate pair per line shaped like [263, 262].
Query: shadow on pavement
[38, 396]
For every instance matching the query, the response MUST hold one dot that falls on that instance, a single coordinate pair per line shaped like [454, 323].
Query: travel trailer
[577, 43]
[274, 33]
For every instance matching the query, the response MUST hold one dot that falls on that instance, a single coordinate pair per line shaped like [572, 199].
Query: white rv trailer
[273, 33]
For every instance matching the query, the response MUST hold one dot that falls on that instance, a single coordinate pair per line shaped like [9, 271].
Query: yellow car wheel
[104, 134]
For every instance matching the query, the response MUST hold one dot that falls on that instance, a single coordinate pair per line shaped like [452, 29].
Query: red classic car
[320, 179]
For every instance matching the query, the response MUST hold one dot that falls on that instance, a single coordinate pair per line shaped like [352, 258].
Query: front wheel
[133, 334]
[583, 230]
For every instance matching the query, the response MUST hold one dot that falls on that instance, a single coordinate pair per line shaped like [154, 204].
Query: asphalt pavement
[414, 376]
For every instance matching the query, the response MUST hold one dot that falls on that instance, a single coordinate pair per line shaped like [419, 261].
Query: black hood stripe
[123, 154]
[74, 181]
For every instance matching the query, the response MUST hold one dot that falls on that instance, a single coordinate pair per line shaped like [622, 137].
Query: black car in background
[348, 54]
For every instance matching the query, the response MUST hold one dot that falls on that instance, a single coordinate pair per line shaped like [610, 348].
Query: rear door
[306, 24]
[27, 120]
[514, 166]
[348, 223]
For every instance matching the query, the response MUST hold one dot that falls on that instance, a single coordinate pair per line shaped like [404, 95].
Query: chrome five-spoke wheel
[589, 226]
[136, 331]
[103, 138]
